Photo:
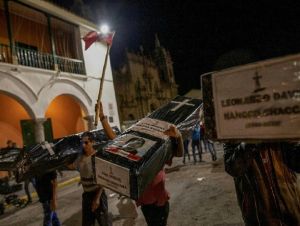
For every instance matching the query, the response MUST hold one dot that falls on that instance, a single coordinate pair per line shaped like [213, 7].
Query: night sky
[202, 35]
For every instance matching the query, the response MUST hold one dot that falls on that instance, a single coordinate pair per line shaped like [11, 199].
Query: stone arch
[67, 114]
[65, 87]
[8, 82]
[13, 110]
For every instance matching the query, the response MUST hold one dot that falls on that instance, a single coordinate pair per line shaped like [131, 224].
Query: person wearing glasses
[94, 199]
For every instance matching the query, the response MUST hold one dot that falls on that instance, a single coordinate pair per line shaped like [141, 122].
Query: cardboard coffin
[9, 158]
[259, 101]
[131, 161]
[49, 156]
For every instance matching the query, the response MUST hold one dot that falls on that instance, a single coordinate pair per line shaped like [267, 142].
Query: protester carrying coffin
[154, 200]
[258, 119]
[48, 156]
[266, 181]
[94, 199]
[129, 172]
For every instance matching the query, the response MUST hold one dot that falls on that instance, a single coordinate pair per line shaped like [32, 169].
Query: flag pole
[101, 86]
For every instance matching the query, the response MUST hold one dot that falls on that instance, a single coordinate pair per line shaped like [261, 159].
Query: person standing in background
[196, 143]
[46, 186]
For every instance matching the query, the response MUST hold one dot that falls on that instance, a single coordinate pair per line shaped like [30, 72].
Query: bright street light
[104, 29]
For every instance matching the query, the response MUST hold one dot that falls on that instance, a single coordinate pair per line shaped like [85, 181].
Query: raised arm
[107, 128]
[176, 137]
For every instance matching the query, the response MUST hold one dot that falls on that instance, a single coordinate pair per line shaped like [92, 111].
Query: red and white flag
[94, 36]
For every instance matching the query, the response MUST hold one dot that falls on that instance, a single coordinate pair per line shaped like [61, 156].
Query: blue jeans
[50, 217]
[186, 149]
[196, 144]
[212, 150]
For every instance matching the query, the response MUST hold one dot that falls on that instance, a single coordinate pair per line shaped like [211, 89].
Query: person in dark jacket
[266, 182]
[46, 186]
[196, 143]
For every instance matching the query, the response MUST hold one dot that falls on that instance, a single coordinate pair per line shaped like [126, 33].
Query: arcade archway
[11, 114]
[66, 115]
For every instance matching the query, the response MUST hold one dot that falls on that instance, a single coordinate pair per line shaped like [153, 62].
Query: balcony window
[67, 46]
[5, 53]
[29, 27]
[30, 36]
[3, 24]
[36, 44]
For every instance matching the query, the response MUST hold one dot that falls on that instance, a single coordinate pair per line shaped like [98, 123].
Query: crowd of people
[199, 142]
[264, 175]
[154, 201]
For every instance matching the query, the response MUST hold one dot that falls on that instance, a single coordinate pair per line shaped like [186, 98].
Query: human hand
[95, 205]
[172, 132]
[99, 107]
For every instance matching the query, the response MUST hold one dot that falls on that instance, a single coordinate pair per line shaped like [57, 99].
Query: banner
[258, 101]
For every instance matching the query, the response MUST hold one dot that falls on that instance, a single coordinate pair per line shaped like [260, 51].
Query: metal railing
[70, 65]
[32, 58]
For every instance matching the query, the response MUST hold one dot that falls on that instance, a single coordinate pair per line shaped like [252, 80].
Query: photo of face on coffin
[130, 144]
[133, 144]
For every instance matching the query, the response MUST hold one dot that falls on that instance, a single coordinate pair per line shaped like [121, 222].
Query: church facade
[144, 83]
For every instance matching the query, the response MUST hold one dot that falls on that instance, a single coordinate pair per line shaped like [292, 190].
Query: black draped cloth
[48, 156]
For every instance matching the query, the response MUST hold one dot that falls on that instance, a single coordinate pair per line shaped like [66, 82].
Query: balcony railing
[32, 58]
[70, 65]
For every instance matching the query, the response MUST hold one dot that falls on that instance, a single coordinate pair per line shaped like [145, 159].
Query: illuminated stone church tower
[144, 83]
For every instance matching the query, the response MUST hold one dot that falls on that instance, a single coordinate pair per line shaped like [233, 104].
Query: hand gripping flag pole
[89, 39]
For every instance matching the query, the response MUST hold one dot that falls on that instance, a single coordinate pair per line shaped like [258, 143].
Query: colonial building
[144, 83]
[48, 83]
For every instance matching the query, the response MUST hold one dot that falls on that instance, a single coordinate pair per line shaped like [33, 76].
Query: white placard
[260, 101]
[152, 127]
[112, 176]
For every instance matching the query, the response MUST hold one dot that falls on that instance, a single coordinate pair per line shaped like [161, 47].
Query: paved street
[201, 194]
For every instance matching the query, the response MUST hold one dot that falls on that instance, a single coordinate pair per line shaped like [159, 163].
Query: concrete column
[90, 121]
[39, 129]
